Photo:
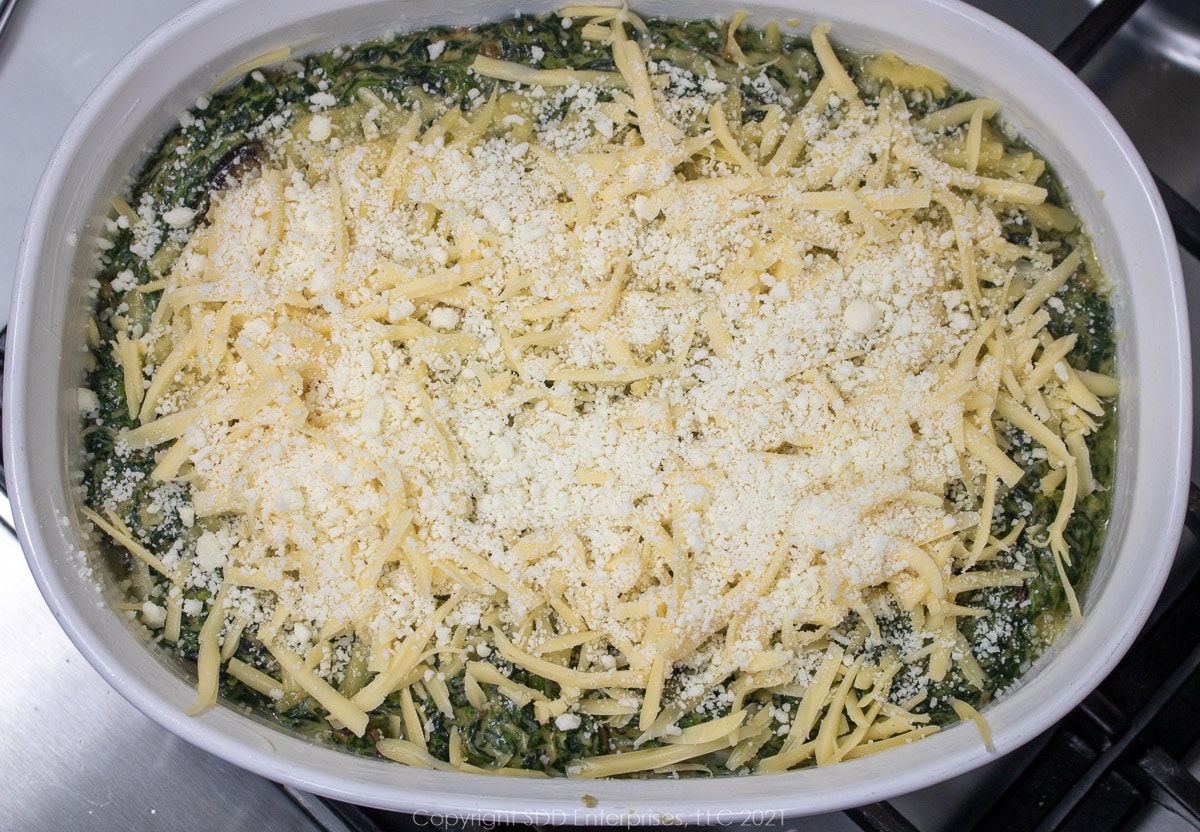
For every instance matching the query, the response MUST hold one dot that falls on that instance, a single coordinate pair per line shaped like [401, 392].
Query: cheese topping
[658, 395]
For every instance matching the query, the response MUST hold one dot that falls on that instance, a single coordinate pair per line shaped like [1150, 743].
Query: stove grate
[1095, 30]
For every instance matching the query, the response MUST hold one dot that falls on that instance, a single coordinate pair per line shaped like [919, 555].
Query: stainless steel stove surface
[78, 757]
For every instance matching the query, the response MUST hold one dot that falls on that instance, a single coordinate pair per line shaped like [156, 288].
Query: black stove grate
[1079, 47]
[1095, 30]
[1122, 749]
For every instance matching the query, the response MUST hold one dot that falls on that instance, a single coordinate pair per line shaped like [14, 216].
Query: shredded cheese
[638, 427]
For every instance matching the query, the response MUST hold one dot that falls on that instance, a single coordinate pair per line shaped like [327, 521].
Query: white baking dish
[139, 100]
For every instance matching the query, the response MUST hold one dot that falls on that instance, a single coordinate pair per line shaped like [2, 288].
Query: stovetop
[77, 756]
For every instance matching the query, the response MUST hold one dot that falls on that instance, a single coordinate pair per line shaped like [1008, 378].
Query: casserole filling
[590, 395]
